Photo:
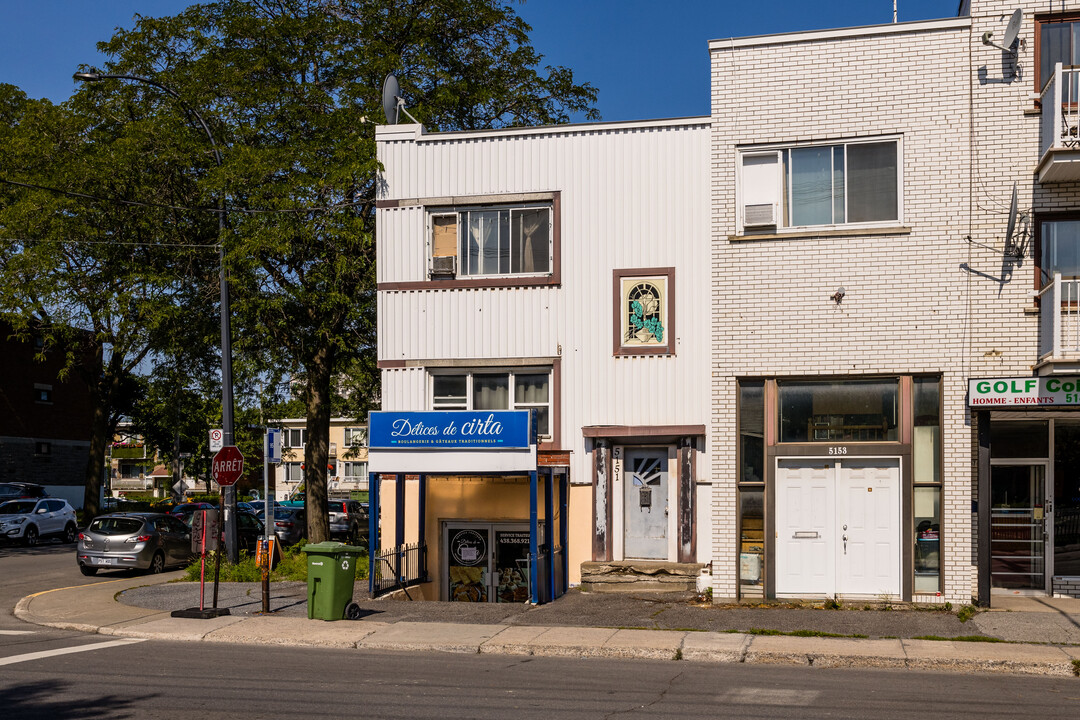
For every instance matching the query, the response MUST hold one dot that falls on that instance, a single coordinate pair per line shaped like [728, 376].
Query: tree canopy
[291, 90]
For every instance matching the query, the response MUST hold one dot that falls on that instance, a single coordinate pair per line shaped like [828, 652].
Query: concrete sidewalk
[586, 625]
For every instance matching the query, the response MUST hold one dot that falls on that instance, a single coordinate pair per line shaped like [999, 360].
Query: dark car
[248, 528]
[21, 490]
[348, 520]
[290, 525]
[143, 541]
[182, 508]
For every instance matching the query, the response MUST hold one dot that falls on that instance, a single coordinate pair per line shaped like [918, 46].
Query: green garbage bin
[331, 572]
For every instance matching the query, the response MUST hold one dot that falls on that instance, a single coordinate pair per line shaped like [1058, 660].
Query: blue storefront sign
[451, 430]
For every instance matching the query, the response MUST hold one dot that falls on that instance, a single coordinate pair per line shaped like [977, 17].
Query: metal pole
[267, 523]
[229, 494]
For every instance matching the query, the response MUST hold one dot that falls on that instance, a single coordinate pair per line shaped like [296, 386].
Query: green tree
[110, 281]
[292, 89]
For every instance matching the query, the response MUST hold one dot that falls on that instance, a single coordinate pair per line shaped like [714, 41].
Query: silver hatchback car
[143, 541]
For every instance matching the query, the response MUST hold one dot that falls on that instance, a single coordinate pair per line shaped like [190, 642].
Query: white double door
[838, 527]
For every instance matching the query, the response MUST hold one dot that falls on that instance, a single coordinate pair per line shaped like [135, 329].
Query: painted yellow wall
[464, 498]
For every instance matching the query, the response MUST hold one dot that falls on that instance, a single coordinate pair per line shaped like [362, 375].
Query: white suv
[29, 520]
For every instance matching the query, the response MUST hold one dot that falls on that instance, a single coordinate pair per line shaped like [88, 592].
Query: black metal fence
[399, 567]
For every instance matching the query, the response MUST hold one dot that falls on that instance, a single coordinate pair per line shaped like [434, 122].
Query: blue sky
[648, 58]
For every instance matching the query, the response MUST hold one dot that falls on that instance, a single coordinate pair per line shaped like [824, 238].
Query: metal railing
[1060, 123]
[1059, 319]
[399, 567]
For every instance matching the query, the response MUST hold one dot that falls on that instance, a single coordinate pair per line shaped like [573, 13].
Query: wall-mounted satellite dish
[1012, 31]
[1012, 246]
[392, 102]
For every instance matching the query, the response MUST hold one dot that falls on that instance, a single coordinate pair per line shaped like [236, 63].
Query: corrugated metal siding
[631, 198]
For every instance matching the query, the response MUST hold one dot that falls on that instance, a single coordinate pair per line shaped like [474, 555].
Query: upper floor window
[1058, 248]
[43, 393]
[294, 437]
[1058, 40]
[520, 389]
[491, 241]
[815, 185]
[355, 436]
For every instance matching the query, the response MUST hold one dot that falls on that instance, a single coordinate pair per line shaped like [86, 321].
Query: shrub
[292, 567]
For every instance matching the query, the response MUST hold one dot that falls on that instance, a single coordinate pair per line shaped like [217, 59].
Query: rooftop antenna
[392, 102]
[894, 11]
[1012, 31]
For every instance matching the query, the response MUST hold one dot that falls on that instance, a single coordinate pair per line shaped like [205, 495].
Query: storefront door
[487, 562]
[1018, 526]
[838, 527]
[645, 504]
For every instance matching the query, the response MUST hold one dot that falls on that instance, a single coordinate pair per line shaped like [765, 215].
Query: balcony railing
[1059, 321]
[1059, 133]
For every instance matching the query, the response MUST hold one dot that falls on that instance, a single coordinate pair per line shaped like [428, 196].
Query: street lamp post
[226, 335]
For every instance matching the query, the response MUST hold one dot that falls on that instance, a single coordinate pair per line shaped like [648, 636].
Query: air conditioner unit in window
[333, 449]
[443, 266]
[762, 215]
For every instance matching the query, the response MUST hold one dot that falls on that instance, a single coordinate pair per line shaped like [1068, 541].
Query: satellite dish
[392, 103]
[1012, 31]
[390, 92]
[1012, 247]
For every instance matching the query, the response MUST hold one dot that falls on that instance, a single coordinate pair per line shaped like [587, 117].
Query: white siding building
[509, 262]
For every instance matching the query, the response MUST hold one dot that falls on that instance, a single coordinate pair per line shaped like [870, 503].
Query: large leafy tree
[292, 91]
[97, 254]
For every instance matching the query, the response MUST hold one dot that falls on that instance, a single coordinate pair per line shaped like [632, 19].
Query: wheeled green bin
[331, 572]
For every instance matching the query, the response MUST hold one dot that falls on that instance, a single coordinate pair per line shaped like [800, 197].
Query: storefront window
[1066, 498]
[927, 446]
[752, 431]
[1020, 439]
[752, 543]
[831, 411]
[927, 539]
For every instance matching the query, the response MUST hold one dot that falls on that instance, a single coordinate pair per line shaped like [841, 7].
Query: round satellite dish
[1010, 229]
[390, 92]
[1013, 28]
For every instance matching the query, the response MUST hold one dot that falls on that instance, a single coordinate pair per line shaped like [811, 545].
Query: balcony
[1059, 132]
[1059, 327]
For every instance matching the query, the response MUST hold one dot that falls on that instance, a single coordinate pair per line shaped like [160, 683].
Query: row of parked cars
[153, 541]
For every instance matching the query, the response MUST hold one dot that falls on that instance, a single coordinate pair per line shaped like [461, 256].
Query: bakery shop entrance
[487, 562]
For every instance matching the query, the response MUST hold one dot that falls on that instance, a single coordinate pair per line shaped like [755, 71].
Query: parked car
[290, 525]
[189, 507]
[348, 520]
[248, 528]
[18, 490]
[241, 505]
[143, 541]
[28, 520]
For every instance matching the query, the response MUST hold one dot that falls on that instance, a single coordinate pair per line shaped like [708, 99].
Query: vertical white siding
[632, 196]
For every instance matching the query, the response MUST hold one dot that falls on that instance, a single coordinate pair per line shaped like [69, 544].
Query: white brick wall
[905, 303]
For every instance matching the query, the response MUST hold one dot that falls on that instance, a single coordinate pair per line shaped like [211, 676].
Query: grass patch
[293, 567]
[799, 633]
[966, 613]
[961, 638]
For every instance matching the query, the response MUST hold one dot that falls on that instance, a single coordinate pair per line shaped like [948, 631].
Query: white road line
[17, 632]
[65, 651]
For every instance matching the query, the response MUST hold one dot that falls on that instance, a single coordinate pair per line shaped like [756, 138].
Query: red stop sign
[228, 465]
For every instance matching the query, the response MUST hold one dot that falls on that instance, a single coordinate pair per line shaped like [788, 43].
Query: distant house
[347, 464]
[44, 421]
[136, 468]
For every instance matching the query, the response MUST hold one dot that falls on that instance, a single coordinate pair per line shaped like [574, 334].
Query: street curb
[588, 642]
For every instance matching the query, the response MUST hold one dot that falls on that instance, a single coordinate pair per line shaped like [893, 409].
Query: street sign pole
[271, 454]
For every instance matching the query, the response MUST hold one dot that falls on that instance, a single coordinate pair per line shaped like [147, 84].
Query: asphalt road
[55, 674]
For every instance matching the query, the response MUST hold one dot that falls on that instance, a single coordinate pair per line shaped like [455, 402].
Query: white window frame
[783, 211]
[470, 373]
[287, 469]
[348, 471]
[351, 434]
[462, 212]
[286, 438]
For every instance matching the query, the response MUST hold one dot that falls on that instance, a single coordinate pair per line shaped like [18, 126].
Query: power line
[137, 203]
